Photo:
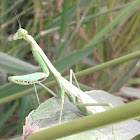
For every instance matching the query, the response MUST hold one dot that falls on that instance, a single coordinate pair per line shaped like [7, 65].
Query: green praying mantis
[84, 103]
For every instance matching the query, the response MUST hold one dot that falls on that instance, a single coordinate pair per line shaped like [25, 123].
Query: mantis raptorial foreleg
[30, 79]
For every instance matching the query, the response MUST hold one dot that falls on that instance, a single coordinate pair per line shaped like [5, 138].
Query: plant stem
[109, 64]
[78, 74]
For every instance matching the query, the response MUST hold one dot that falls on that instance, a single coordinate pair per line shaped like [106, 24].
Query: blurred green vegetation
[76, 34]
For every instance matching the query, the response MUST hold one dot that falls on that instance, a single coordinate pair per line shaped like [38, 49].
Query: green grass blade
[63, 26]
[88, 48]
[7, 114]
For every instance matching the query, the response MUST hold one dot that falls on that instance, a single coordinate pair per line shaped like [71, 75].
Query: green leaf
[47, 115]
[26, 104]
[15, 66]
[130, 92]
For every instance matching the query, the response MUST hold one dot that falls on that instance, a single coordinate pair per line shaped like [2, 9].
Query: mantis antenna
[19, 23]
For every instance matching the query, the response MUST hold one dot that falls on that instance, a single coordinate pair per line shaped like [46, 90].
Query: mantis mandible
[84, 103]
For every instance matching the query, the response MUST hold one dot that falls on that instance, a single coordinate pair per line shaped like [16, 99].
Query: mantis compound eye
[22, 32]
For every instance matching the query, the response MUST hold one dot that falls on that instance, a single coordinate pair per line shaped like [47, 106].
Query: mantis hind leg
[98, 104]
[71, 97]
[84, 105]
[73, 75]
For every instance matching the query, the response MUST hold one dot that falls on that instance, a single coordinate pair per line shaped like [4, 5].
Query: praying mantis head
[20, 34]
